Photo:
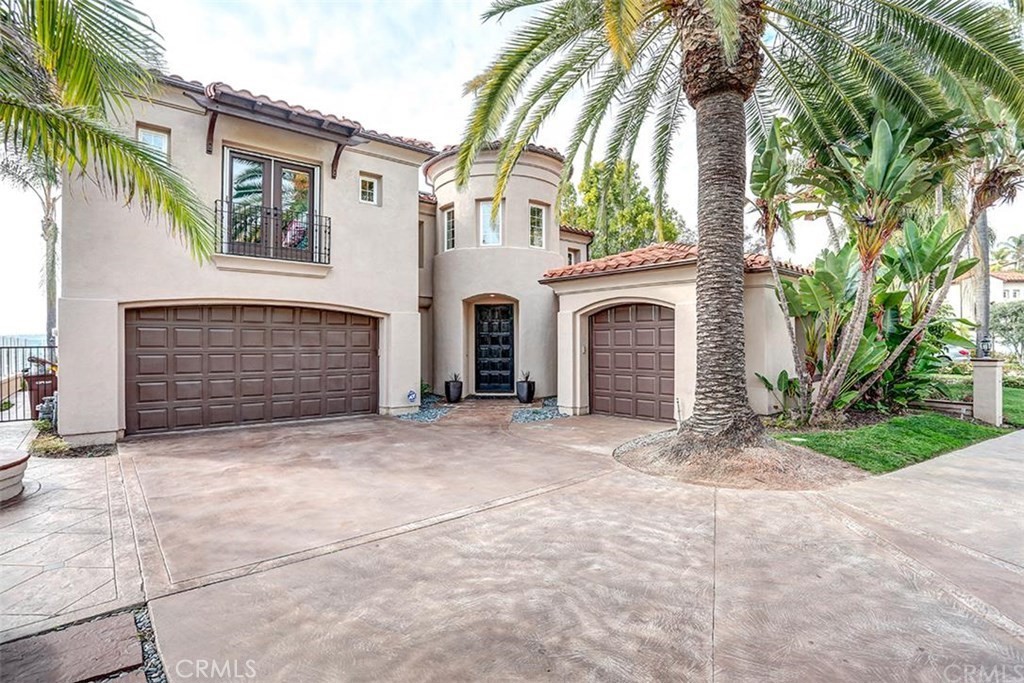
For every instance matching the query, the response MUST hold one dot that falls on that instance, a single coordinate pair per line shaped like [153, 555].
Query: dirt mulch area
[775, 466]
[49, 445]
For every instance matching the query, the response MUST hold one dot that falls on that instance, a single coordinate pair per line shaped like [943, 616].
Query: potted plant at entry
[525, 389]
[453, 389]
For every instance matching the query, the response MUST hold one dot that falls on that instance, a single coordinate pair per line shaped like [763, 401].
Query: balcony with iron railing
[247, 229]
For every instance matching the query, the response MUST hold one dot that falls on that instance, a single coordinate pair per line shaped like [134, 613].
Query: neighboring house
[1004, 285]
[338, 287]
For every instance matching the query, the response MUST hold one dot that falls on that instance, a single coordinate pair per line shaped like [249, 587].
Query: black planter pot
[453, 391]
[525, 391]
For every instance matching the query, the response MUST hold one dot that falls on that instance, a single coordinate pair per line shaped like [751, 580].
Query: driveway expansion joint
[940, 582]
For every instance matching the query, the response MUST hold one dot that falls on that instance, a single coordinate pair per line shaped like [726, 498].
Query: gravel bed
[550, 402]
[536, 414]
[151, 662]
[429, 413]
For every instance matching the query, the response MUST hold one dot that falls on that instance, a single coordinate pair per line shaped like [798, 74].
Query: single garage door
[206, 366]
[632, 362]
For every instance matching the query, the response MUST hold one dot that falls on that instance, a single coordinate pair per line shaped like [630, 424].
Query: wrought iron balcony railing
[270, 232]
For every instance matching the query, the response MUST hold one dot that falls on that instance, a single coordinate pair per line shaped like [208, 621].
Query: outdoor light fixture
[986, 346]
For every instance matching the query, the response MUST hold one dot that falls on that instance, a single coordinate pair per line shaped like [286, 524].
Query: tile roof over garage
[655, 256]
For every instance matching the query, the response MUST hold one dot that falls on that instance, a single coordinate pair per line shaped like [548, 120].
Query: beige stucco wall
[570, 240]
[115, 258]
[471, 273]
[767, 343]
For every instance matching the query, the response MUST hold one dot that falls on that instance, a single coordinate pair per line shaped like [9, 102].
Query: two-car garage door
[204, 366]
[632, 362]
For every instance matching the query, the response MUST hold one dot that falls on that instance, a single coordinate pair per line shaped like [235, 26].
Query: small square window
[537, 226]
[574, 257]
[157, 140]
[369, 190]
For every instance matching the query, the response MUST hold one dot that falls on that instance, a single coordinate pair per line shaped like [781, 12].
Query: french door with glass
[271, 206]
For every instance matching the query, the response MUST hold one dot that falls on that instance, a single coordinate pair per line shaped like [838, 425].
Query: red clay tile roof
[653, 256]
[576, 231]
[213, 90]
[451, 150]
[1004, 275]
[1008, 275]
[428, 198]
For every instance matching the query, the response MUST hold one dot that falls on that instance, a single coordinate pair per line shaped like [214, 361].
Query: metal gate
[28, 374]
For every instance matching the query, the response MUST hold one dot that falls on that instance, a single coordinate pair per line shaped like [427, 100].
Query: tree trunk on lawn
[983, 299]
[938, 297]
[716, 89]
[853, 332]
[50, 235]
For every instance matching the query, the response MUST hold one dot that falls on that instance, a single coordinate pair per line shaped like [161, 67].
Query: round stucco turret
[479, 267]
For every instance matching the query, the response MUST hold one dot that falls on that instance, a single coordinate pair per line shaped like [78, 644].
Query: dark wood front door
[495, 364]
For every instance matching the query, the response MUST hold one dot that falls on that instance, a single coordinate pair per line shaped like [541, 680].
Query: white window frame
[573, 256]
[543, 224]
[448, 223]
[366, 177]
[488, 203]
[141, 128]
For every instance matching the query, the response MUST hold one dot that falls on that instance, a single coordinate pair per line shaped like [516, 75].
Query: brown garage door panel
[632, 362]
[189, 367]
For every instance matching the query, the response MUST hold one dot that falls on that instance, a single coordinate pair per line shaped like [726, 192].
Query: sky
[396, 66]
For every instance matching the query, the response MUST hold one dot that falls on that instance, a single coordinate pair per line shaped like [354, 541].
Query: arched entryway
[632, 361]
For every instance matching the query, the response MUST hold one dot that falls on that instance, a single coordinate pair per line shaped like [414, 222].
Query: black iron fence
[28, 374]
[270, 232]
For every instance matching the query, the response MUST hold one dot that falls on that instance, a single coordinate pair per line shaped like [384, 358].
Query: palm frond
[726, 14]
[94, 51]
[120, 166]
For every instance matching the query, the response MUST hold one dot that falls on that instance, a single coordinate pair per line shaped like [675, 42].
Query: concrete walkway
[387, 550]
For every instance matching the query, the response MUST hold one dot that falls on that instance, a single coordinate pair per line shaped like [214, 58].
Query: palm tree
[42, 179]
[737, 64]
[1012, 253]
[66, 67]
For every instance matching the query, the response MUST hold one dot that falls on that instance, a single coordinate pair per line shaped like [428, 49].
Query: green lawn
[895, 443]
[1013, 400]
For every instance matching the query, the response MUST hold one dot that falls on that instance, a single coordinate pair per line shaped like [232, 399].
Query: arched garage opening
[632, 361]
[196, 366]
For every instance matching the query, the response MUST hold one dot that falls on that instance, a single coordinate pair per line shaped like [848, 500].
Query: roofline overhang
[529, 149]
[277, 117]
[658, 266]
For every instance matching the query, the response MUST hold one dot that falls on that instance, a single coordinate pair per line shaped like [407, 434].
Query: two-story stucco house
[338, 286]
[1004, 285]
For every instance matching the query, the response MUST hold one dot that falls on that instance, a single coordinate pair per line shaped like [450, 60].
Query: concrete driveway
[376, 549]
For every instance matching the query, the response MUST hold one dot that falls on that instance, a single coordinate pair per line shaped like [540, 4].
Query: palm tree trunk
[716, 87]
[983, 300]
[50, 234]
[721, 406]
